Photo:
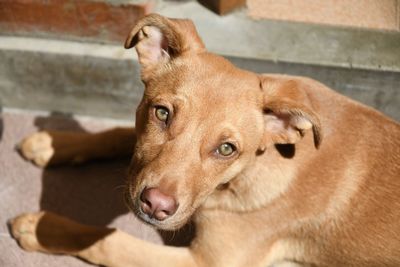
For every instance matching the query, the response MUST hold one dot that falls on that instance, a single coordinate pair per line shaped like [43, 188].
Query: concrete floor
[90, 193]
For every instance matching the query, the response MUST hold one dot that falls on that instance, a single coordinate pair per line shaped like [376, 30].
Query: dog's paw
[37, 148]
[23, 229]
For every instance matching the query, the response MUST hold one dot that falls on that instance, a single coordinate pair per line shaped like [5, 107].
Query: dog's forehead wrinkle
[212, 71]
[207, 77]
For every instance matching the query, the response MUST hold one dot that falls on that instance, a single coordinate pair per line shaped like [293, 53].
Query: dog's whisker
[122, 186]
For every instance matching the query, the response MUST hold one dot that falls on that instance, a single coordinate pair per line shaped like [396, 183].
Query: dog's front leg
[51, 233]
[58, 147]
[120, 249]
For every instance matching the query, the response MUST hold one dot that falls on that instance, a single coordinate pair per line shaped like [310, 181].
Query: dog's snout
[157, 204]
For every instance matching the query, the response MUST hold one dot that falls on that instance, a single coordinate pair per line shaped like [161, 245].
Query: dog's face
[200, 123]
[197, 127]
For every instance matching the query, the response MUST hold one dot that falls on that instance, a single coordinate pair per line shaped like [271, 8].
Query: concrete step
[240, 36]
[103, 80]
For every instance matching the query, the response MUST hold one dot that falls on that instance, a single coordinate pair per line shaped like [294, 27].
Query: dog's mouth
[168, 224]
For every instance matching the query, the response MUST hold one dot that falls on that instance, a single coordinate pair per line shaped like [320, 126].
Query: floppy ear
[288, 113]
[158, 40]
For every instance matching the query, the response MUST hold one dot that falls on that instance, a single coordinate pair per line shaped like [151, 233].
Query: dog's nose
[157, 204]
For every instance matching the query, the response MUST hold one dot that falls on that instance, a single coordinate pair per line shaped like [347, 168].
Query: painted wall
[373, 14]
[106, 21]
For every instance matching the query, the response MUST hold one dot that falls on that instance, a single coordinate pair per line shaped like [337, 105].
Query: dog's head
[201, 122]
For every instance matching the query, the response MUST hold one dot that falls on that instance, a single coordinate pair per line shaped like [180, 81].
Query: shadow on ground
[1, 122]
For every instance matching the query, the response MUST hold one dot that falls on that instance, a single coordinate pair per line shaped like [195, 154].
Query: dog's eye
[162, 113]
[226, 149]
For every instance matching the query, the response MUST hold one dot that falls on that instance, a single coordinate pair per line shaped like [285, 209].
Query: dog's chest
[230, 239]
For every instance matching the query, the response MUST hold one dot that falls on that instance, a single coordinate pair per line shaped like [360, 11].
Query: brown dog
[272, 169]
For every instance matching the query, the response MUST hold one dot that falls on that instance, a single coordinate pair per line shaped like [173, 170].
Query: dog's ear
[158, 39]
[288, 112]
